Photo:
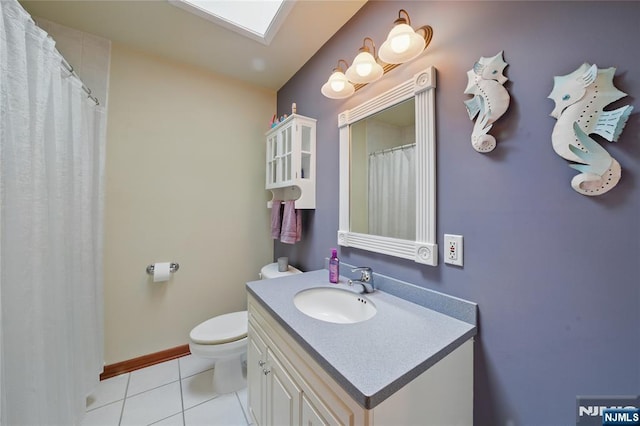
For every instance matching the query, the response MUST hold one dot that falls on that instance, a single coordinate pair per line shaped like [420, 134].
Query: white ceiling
[158, 27]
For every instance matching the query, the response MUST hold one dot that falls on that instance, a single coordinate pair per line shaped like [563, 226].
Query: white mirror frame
[424, 249]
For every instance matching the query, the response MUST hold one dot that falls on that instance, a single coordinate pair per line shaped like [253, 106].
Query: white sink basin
[334, 305]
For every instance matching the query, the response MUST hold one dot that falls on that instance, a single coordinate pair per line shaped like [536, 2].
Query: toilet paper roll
[161, 271]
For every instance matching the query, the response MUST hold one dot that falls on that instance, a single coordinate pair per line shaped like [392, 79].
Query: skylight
[256, 19]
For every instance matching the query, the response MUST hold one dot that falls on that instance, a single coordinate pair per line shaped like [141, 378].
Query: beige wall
[184, 183]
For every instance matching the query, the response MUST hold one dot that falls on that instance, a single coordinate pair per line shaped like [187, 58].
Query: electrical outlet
[453, 249]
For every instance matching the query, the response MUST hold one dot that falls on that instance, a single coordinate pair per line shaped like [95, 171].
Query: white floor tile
[177, 420]
[190, 365]
[152, 406]
[156, 396]
[108, 391]
[152, 377]
[197, 389]
[107, 415]
[224, 410]
[243, 397]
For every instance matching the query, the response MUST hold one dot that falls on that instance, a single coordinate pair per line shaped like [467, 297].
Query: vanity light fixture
[338, 86]
[365, 69]
[403, 43]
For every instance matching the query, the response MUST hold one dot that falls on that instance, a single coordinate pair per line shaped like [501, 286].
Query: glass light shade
[337, 87]
[402, 45]
[364, 69]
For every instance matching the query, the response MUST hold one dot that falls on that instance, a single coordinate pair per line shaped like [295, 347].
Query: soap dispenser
[334, 267]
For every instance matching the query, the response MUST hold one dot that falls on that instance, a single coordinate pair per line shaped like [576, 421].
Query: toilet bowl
[224, 339]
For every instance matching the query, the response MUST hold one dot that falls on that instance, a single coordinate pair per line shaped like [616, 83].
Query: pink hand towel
[275, 218]
[291, 223]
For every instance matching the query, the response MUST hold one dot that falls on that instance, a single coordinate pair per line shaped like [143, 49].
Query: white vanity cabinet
[287, 387]
[276, 397]
[291, 161]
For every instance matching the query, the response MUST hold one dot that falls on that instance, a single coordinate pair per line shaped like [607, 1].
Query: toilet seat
[221, 329]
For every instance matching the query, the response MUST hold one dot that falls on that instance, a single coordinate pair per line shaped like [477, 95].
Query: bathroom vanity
[411, 363]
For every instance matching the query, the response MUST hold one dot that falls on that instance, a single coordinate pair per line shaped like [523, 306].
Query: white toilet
[224, 339]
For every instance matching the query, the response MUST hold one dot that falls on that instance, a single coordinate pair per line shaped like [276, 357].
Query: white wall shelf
[291, 161]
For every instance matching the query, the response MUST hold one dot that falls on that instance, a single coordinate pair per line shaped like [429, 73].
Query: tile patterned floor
[176, 392]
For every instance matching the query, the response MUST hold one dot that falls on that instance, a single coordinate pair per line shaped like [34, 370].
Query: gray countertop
[372, 359]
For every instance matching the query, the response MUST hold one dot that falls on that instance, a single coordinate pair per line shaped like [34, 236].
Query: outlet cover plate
[453, 249]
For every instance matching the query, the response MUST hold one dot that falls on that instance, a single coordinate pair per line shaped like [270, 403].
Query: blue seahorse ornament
[580, 98]
[490, 99]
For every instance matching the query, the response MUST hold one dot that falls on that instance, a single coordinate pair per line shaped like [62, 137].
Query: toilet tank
[271, 271]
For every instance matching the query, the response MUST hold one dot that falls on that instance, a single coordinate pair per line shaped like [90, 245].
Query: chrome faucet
[366, 279]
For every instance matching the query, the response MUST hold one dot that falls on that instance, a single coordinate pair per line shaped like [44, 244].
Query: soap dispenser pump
[334, 267]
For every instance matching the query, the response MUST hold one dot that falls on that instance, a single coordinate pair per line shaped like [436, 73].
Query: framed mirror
[387, 172]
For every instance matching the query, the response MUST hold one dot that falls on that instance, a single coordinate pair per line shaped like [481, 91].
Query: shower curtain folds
[52, 141]
[392, 192]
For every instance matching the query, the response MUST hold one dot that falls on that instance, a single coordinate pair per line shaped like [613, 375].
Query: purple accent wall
[556, 274]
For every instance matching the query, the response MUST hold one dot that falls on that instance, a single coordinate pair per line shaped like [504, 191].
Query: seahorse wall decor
[580, 98]
[490, 99]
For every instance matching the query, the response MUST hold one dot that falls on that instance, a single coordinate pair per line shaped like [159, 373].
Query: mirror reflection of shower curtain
[392, 193]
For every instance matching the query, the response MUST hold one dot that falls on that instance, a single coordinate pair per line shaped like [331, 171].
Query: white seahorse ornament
[580, 98]
[490, 99]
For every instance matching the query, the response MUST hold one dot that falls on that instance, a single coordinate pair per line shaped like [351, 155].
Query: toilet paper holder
[173, 267]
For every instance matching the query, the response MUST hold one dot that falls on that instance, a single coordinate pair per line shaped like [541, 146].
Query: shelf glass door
[305, 152]
[272, 160]
[286, 153]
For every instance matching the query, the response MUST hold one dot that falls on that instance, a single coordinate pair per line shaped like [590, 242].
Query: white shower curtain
[51, 177]
[392, 193]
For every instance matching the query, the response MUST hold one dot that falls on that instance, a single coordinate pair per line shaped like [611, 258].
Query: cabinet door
[272, 160]
[306, 161]
[286, 153]
[283, 395]
[311, 416]
[256, 387]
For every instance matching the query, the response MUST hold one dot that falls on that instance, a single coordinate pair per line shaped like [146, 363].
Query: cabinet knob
[265, 371]
[261, 363]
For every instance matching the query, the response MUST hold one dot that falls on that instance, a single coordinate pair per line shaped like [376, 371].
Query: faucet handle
[366, 273]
